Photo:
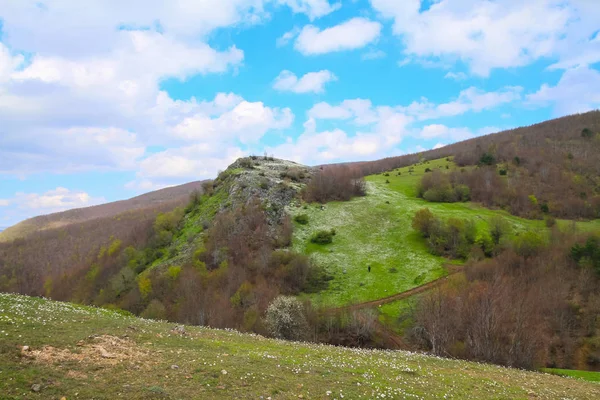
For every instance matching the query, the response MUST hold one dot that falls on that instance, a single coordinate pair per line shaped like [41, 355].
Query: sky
[101, 100]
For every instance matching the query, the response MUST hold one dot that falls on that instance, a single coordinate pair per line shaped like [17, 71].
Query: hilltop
[81, 352]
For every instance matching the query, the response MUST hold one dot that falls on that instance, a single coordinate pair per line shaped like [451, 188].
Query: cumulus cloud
[186, 163]
[578, 90]
[313, 82]
[362, 112]
[495, 34]
[55, 200]
[469, 100]
[312, 8]
[88, 96]
[457, 76]
[373, 55]
[352, 34]
[287, 37]
[246, 122]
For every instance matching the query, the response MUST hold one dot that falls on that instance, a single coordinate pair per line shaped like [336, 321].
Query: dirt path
[398, 296]
[391, 338]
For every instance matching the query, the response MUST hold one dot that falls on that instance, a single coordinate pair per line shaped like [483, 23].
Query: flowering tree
[285, 318]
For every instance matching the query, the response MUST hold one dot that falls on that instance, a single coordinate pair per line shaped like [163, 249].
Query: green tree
[423, 221]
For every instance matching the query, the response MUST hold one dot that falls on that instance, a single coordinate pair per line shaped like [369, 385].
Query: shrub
[545, 208]
[589, 253]
[155, 310]
[285, 318]
[323, 237]
[587, 133]
[173, 272]
[423, 221]
[487, 159]
[499, 228]
[550, 221]
[503, 172]
[427, 169]
[246, 163]
[145, 286]
[528, 244]
[338, 183]
[302, 219]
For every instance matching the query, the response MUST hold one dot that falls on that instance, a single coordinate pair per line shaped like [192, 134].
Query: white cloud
[55, 200]
[313, 82]
[183, 164]
[246, 122]
[469, 100]
[494, 34]
[362, 112]
[287, 37]
[312, 8]
[4, 202]
[438, 146]
[438, 130]
[457, 76]
[352, 34]
[8, 63]
[89, 95]
[373, 55]
[578, 90]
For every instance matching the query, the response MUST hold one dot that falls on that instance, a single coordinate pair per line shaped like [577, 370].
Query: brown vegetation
[335, 183]
[524, 310]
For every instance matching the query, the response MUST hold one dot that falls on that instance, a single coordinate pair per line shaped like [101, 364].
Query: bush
[337, 183]
[487, 159]
[302, 219]
[550, 221]
[285, 318]
[528, 244]
[155, 310]
[323, 237]
[423, 221]
[427, 169]
[246, 163]
[503, 172]
[587, 133]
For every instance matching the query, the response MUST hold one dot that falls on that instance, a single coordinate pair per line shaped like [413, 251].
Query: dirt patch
[97, 350]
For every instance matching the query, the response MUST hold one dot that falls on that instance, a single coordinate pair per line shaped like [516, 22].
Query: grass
[376, 230]
[573, 373]
[152, 362]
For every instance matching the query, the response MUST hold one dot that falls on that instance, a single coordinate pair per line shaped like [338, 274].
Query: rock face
[276, 183]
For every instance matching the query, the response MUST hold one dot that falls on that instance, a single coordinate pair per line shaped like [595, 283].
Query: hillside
[80, 352]
[343, 239]
[163, 198]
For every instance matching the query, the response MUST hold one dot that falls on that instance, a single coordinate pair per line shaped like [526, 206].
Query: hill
[81, 352]
[163, 198]
[346, 241]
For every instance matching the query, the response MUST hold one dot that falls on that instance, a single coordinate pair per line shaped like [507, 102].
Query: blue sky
[105, 100]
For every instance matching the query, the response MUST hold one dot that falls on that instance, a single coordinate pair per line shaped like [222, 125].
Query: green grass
[376, 230]
[573, 373]
[216, 364]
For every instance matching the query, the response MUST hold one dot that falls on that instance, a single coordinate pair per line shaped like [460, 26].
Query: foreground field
[88, 353]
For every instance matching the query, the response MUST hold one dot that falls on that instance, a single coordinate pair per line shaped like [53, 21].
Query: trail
[391, 338]
[398, 296]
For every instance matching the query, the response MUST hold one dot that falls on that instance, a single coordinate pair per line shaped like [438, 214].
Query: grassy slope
[585, 375]
[371, 231]
[254, 366]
